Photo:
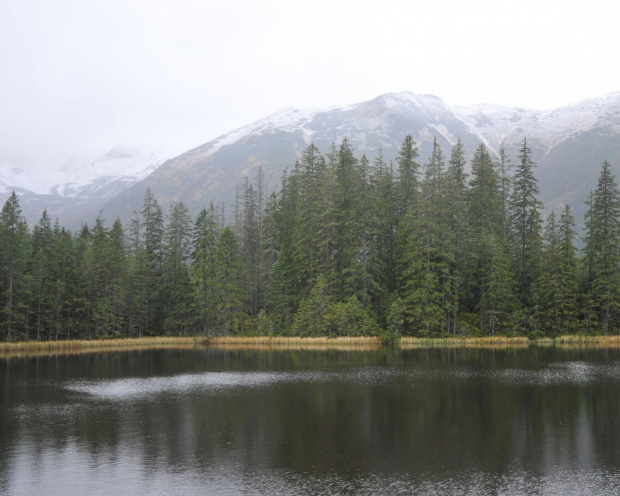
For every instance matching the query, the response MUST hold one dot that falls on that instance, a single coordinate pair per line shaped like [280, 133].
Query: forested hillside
[344, 247]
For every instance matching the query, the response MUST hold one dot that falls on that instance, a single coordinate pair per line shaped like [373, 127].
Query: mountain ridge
[212, 170]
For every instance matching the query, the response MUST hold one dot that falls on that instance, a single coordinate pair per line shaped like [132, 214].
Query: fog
[82, 77]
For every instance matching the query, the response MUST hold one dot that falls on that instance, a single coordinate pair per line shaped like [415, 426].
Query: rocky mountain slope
[569, 144]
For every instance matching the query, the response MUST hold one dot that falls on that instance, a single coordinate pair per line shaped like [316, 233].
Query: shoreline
[368, 343]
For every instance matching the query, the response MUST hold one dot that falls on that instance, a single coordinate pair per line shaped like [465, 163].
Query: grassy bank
[495, 342]
[100, 344]
[284, 343]
[293, 342]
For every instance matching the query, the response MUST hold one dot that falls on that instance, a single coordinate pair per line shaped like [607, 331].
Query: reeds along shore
[280, 342]
[100, 344]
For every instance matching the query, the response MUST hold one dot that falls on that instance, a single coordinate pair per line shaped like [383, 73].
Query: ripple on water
[216, 382]
[559, 482]
[579, 373]
[124, 476]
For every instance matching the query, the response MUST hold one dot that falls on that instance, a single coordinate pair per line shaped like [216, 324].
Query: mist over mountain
[569, 144]
[76, 187]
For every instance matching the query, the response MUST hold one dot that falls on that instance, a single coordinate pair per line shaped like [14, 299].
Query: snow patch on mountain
[443, 131]
[432, 106]
[120, 165]
[288, 120]
[497, 125]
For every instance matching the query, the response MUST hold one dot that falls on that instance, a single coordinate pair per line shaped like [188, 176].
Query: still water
[209, 422]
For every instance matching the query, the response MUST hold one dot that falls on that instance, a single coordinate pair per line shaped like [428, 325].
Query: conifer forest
[345, 246]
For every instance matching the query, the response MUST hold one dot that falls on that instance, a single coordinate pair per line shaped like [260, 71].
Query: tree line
[345, 246]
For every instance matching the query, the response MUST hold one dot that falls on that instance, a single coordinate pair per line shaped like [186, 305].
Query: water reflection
[536, 421]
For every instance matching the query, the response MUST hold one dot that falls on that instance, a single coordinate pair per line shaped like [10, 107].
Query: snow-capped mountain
[77, 183]
[569, 144]
[81, 177]
[493, 125]
[107, 175]
[368, 125]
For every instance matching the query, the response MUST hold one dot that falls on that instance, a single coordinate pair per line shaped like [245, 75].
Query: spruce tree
[97, 286]
[177, 289]
[15, 284]
[602, 250]
[270, 246]
[425, 267]
[504, 165]
[153, 222]
[559, 275]
[205, 236]
[251, 216]
[284, 294]
[43, 297]
[526, 236]
[488, 263]
[382, 225]
[407, 199]
[408, 174]
[569, 271]
[65, 280]
[348, 227]
[117, 260]
[138, 274]
[228, 283]
[456, 211]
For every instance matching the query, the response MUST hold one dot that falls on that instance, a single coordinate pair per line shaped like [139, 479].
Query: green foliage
[349, 319]
[310, 318]
[602, 255]
[227, 285]
[487, 264]
[525, 234]
[320, 315]
[396, 316]
[559, 278]
[15, 281]
[203, 266]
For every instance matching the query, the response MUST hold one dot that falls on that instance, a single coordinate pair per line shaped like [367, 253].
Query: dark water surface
[441, 421]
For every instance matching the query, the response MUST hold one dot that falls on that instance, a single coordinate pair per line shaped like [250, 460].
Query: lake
[205, 421]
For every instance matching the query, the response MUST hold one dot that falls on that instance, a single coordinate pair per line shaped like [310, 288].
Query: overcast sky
[83, 75]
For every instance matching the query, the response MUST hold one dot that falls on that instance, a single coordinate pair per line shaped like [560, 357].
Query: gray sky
[83, 75]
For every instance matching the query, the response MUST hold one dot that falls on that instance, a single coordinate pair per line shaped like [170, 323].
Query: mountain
[569, 144]
[213, 171]
[77, 188]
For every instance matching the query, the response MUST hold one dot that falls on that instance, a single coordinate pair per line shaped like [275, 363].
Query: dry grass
[98, 345]
[4, 355]
[292, 340]
[370, 343]
[409, 343]
[38, 348]
[580, 342]
[611, 340]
